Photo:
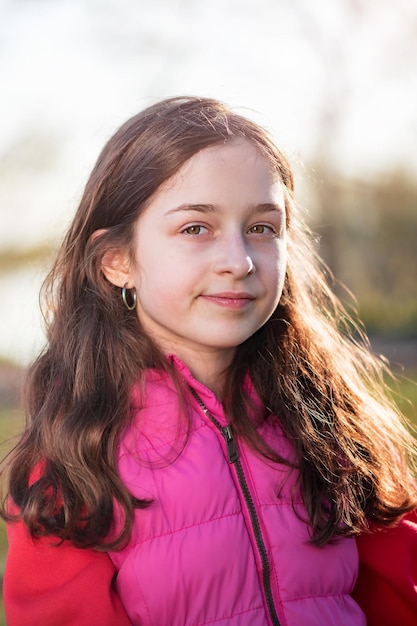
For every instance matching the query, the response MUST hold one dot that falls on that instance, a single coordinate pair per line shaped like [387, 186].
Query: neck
[213, 382]
[208, 368]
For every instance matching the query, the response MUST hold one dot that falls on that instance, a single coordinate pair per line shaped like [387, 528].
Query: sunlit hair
[306, 362]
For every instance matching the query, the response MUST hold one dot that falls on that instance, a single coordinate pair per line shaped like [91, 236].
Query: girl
[204, 443]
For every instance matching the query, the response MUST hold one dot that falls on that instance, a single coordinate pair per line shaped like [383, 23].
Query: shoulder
[160, 415]
[71, 585]
[387, 583]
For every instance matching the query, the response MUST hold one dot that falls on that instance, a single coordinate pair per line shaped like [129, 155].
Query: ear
[115, 266]
[115, 263]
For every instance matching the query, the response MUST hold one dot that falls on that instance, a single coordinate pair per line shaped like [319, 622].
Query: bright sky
[337, 78]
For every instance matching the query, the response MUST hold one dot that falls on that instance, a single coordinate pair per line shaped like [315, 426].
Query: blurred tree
[367, 228]
[375, 243]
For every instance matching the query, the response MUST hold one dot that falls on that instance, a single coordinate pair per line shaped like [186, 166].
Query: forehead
[237, 163]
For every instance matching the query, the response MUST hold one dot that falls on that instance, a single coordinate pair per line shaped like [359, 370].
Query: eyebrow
[265, 207]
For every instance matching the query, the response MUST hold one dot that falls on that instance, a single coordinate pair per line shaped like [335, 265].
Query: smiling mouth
[230, 300]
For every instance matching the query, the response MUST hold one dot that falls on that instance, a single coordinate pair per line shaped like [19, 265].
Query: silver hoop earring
[132, 305]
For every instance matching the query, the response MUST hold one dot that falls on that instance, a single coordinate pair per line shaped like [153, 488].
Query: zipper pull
[232, 451]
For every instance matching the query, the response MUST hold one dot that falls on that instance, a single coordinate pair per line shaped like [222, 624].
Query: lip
[230, 299]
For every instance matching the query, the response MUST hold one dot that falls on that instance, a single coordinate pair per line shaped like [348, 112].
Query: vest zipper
[234, 459]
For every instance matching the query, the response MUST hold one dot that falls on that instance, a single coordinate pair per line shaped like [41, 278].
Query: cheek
[282, 263]
[276, 267]
[150, 267]
[159, 290]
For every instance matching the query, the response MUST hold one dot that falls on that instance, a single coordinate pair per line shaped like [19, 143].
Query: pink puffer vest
[221, 543]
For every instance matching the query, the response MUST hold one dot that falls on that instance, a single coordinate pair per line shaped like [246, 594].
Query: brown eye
[194, 229]
[261, 229]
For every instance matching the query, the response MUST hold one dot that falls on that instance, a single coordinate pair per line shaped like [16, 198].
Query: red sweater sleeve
[58, 585]
[387, 584]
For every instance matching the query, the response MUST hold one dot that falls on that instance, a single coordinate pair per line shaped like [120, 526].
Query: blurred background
[335, 82]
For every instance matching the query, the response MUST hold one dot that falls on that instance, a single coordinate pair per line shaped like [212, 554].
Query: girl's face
[210, 254]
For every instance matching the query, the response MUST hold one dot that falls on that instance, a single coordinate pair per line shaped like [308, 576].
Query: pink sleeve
[50, 585]
[387, 584]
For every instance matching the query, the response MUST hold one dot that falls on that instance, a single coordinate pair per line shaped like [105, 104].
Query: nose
[233, 257]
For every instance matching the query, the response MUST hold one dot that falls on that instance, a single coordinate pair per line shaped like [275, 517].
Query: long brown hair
[325, 388]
